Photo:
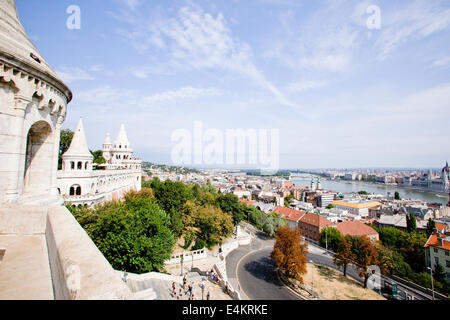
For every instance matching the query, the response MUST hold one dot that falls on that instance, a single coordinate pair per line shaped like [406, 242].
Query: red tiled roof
[289, 214]
[355, 228]
[251, 203]
[433, 241]
[316, 220]
[440, 226]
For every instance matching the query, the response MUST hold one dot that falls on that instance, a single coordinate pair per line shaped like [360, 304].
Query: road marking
[237, 274]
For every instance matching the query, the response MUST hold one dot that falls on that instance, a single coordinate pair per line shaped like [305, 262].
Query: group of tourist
[185, 290]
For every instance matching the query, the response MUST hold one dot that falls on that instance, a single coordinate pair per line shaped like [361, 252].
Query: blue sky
[342, 94]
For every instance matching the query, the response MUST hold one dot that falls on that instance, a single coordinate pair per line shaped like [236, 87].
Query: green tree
[64, 144]
[272, 223]
[171, 196]
[229, 203]
[136, 240]
[439, 273]
[397, 196]
[431, 225]
[215, 225]
[331, 237]
[254, 216]
[98, 157]
[411, 224]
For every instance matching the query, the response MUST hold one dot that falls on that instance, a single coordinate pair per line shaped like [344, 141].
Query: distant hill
[168, 169]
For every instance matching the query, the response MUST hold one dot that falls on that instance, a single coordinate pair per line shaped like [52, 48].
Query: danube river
[355, 186]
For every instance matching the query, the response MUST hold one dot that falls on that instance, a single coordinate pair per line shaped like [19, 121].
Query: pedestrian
[125, 274]
[181, 294]
[192, 297]
[208, 296]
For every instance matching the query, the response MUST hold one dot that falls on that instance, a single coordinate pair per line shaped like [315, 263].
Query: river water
[356, 186]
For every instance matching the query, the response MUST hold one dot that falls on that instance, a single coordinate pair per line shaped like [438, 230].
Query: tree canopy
[290, 253]
[64, 144]
[332, 237]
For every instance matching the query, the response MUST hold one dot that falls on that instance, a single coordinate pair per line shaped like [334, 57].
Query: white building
[80, 184]
[43, 249]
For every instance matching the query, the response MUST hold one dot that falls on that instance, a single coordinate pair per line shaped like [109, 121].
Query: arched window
[86, 165]
[75, 190]
[72, 165]
[80, 165]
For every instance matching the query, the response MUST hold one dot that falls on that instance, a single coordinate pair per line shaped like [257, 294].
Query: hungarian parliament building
[429, 182]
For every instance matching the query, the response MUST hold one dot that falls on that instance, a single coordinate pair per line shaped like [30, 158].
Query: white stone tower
[33, 103]
[121, 150]
[107, 147]
[78, 157]
[313, 185]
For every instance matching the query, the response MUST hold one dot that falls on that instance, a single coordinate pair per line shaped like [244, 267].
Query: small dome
[17, 49]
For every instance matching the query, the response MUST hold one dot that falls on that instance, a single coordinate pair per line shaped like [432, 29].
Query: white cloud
[441, 62]
[194, 40]
[412, 21]
[305, 85]
[180, 94]
[322, 42]
[71, 74]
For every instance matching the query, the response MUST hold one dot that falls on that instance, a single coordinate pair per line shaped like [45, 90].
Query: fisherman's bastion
[44, 253]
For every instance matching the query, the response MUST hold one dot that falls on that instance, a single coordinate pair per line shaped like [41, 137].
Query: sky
[347, 84]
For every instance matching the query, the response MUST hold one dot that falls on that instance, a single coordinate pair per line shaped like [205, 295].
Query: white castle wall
[98, 186]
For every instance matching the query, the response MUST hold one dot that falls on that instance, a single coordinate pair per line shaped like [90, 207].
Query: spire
[107, 140]
[78, 147]
[122, 137]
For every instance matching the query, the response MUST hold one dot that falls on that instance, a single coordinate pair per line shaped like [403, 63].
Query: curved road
[251, 271]
[258, 279]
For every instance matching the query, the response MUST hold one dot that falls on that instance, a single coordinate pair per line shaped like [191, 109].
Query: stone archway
[38, 159]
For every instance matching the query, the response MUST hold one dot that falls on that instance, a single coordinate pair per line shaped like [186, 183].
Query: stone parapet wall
[79, 270]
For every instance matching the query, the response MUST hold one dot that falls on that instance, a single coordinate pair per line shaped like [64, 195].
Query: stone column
[17, 147]
[56, 140]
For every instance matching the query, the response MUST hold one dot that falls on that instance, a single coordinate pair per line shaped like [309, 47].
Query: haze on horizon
[342, 95]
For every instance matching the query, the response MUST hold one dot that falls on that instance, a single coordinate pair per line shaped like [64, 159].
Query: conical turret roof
[78, 147]
[16, 47]
[107, 140]
[122, 137]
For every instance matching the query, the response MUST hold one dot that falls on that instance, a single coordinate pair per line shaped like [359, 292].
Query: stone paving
[24, 269]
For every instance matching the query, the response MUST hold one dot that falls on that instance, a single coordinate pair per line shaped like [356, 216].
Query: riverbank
[345, 186]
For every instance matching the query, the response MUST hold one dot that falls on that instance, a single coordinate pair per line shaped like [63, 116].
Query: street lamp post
[432, 283]
[181, 261]
[203, 287]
